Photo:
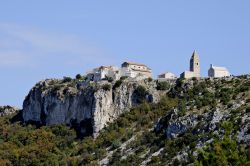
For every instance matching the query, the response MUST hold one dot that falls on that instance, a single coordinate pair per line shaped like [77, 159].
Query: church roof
[133, 63]
[137, 64]
[218, 68]
[167, 73]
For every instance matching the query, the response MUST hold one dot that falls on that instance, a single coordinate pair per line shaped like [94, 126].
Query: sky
[52, 39]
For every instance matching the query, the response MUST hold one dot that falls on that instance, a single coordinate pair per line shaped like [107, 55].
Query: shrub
[223, 152]
[67, 79]
[106, 87]
[155, 160]
[109, 79]
[78, 77]
[117, 84]
[116, 144]
[248, 109]
[140, 94]
[225, 95]
[182, 108]
[150, 79]
[123, 77]
[145, 107]
[179, 82]
[163, 85]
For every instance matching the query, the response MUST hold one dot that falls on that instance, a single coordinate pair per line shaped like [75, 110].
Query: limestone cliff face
[86, 105]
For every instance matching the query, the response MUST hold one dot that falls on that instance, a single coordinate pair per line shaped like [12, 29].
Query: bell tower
[195, 64]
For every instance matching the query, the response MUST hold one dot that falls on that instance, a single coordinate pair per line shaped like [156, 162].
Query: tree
[78, 77]
[67, 79]
[140, 94]
[106, 87]
[163, 85]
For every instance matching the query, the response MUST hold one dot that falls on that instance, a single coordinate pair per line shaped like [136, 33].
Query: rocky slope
[88, 106]
[208, 124]
[196, 122]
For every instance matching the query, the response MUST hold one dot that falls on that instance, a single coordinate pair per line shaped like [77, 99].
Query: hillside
[192, 122]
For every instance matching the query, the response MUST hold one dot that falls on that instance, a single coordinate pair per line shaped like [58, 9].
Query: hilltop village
[142, 71]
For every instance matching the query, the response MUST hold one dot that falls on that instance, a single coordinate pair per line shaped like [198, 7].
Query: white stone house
[131, 69]
[128, 69]
[167, 75]
[215, 71]
[104, 72]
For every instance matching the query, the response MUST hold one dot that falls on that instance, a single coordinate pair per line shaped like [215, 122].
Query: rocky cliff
[196, 122]
[89, 106]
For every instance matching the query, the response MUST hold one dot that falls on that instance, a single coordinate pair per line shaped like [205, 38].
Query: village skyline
[74, 37]
[142, 71]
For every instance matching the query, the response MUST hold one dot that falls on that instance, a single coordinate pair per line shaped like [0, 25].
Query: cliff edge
[88, 106]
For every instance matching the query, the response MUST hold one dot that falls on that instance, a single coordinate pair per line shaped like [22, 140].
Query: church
[218, 72]
[194, 71]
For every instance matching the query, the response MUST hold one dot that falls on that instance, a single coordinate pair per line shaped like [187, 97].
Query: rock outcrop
[89, 106]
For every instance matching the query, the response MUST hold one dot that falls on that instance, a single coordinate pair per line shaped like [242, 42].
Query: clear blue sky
[56, 38]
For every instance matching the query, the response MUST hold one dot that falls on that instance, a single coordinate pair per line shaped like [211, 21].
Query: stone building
[194, 71]
[215, 71]
[128, 69]
[131, 69]
[104, 72]
[167, 75]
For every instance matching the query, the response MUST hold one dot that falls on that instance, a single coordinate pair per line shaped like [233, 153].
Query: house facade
[167, 75]
[131, 69]
[128, 69]
[104, 72]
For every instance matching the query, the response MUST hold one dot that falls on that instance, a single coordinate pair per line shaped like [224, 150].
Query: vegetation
[67, 79]
[134, 137]
[162, 85]
[140, 94]
[150, 79]
[224, 152]
[106, 87]
[79, 77]
[52, 145]
[109, 79]
[123, 78]
[117, 84]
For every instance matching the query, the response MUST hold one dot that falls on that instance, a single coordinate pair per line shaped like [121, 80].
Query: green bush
[67, 79]
[248, 109]
[106, 87]
[123, 78]
[162, 85]
[223, 152]
[182, 108]
[117, 84]
[179, 82]
[140, 94]
[116, 144]
[150, 79]
[109, 79]
[79, 77]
